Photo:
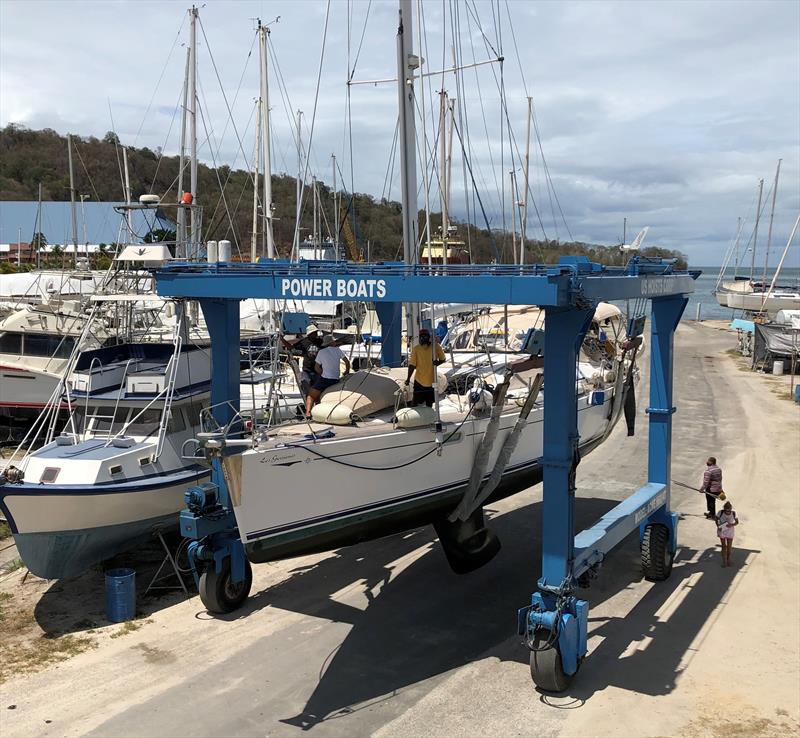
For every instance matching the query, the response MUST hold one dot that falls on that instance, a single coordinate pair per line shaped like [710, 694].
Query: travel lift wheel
[547, 671]
[218, 593]
[656, 555]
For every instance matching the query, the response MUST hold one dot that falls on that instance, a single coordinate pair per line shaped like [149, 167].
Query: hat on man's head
[311, 328]
[328, 340]
[424, 331]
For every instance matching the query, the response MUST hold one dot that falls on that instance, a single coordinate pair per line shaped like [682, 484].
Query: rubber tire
[547, 671]
[217, 592]
[656, 556]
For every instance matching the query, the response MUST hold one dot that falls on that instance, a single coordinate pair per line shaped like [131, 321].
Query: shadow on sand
[421, 620]
[425, 621]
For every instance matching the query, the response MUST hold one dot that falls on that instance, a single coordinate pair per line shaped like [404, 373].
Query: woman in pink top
[726, 525]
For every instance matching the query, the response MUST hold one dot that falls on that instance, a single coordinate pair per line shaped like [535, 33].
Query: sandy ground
[381, 639]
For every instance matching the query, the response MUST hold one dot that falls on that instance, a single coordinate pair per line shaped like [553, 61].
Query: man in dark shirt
[308, 348]
[712, 486]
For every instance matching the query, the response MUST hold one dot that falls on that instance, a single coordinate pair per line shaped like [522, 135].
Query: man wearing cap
[308, 348]
[424, 356]
[328, 370]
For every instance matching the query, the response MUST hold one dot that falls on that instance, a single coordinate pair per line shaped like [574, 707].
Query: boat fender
[415, 417]
[336, 414]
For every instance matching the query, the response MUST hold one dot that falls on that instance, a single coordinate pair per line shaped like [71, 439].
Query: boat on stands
[117, 473]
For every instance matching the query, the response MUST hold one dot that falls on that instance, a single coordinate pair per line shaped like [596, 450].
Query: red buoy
[186, 198]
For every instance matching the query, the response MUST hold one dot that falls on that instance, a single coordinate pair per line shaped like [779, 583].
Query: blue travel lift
[555, 624]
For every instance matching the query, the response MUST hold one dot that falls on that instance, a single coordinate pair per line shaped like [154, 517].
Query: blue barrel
[120, 595]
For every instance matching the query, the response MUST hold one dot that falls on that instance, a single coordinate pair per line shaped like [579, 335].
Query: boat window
[49, 475]
[145, 460]
[193, 415]
[11, 343]
[176, 422]
[43, 344]
[100, 418]
[116, 469]
[77, 420]
[146, 423]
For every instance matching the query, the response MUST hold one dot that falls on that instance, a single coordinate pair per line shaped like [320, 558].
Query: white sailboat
[367, 466]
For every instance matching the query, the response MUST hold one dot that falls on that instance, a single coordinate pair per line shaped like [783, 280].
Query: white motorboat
[117, 473]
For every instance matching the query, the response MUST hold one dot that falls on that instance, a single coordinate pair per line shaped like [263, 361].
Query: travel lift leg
[555, 625]
[216, 554]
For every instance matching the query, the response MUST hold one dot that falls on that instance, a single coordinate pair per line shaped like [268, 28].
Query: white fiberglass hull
[61, 530]
[293, 494]
[758, 302]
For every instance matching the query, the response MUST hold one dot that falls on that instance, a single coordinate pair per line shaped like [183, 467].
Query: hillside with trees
[28, 158]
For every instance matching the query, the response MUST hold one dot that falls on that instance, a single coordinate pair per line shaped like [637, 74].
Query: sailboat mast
[771, 219]
[128, 213]
[755, 232]
[335, 211]
[37, 239]
[256, 163]
[263, 33]
[72, 202]
[180, 236]
[443, 169]
[513, 217]
[314, 234]
[735, 250]
[524, 223]
[296, 244]
[193, 217]
[406, 63]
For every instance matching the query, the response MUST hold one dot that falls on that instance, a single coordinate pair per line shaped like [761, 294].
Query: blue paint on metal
[222, 320]
[390, 314]
[565, 331]
[568, 292]
[665, 315]
[743, 325]
[294, 323]
[501, 284]
[120, 595]
[568, 639]
[592, 544]
[582, 616]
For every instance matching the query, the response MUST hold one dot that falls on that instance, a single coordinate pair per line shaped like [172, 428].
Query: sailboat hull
[311, 510]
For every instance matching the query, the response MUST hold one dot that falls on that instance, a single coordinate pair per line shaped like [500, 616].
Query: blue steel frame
[568, 292]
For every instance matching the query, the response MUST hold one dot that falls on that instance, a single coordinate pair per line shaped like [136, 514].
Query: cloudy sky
[665, 113]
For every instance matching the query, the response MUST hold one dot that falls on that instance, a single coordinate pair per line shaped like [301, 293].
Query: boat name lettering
[655, 286]
[658, 501]
[277, 458]
[318, 287]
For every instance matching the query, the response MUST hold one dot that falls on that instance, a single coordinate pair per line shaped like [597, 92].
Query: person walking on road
[726, 525]
[423, 358]
[712, 486]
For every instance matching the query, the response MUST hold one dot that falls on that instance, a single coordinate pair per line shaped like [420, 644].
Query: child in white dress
[726, 525]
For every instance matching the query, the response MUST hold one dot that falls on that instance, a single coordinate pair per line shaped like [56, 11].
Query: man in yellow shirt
[423, 358]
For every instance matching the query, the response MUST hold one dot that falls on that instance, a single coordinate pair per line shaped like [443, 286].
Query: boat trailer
[555, 623]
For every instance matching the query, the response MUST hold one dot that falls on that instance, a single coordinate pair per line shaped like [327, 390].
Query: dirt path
[382, 639]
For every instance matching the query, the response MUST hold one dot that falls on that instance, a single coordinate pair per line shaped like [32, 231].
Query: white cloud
[667, 113]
